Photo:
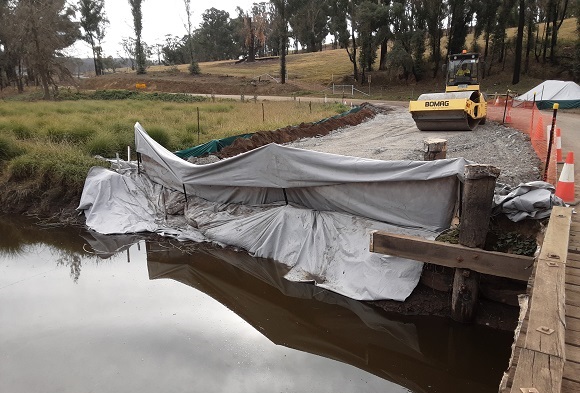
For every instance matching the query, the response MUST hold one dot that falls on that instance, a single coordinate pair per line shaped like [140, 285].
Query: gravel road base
[392, 135]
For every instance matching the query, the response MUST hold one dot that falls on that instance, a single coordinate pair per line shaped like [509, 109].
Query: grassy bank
[47, 148]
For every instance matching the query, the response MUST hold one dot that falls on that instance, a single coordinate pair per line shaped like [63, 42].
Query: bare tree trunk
[383, 59]
[283, 40]
[519, 43]
[529, 43]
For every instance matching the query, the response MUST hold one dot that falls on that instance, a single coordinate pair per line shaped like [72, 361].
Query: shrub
[193, 68]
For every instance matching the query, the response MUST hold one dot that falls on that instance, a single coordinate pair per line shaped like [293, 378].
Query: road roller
[462, 107]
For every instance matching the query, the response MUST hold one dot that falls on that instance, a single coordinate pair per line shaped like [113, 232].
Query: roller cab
[462, 107]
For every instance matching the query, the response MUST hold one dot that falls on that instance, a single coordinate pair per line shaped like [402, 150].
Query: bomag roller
[462, 107]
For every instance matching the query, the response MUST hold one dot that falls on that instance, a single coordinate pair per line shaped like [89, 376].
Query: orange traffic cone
[496, 99]
[565, 186]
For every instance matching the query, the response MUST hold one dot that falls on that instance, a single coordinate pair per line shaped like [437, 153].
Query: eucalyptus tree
[7, 59]
[408, 18]
[486, 20]
[214, 37]
[460, 15]
[93, 22]
[558, 11]
[138, 28]
[435, 11]
[43, 30]
[174, 50]
[519, 41]
[343, 22]
[309, 22]
[371, 18]
[193, 66]
[505, 18]
[282, 9]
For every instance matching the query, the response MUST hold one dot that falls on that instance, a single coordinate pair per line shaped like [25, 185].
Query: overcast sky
[160, 17]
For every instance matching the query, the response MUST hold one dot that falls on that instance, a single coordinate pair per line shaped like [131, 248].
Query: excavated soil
[304, 130]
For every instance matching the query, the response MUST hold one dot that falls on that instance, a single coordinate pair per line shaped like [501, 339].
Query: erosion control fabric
[311, 211]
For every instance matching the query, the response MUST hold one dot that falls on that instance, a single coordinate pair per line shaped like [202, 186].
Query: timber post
[478, 194]
[434, 149]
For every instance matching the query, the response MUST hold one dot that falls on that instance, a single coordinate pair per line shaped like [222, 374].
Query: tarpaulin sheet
[212, 146]
[418, 194]
[312, 211]
[528, 200]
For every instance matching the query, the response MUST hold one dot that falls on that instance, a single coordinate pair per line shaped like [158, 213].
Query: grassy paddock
[52, 144]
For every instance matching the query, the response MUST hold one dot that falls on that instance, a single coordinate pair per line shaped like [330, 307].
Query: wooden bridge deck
[571, 377]
[546, 353]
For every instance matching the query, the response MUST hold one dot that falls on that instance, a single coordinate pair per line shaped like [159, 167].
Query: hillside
[312, 74]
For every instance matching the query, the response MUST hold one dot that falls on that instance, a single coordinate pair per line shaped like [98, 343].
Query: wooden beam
[541, 364]
[513, 266]
[546, 327]
[538, 370]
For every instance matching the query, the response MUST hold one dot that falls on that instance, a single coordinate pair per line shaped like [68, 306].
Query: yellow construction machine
[461, 107]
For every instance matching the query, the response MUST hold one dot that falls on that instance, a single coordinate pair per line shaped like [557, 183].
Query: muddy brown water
[81, 312]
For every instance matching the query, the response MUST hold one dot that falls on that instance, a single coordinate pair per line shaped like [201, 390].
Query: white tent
[547, 93]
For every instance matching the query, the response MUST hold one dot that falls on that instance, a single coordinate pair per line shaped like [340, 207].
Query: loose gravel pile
[392, 135]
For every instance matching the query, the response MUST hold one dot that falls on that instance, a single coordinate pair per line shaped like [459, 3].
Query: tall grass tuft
[9, 149]
[160, 135]
[75, 135]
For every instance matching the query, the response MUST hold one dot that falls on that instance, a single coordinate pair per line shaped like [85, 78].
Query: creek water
[81, 312]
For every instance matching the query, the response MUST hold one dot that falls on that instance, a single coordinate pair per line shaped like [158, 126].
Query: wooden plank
[572, 354]
[573, 311]
[571, 288]
[572, 371]
[546, 324]
[573, 260]
[538, 370]
[573, 279]
[570, 386]
[557, 233]
[547, 311]
[572, 325]
[452, 255]
[572, 271]
[572, 297]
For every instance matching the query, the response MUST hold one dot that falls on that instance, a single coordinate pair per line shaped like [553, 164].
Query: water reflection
[156, 335]
[422, 354]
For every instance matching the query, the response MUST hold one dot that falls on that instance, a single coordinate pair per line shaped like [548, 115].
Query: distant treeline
[411, 36]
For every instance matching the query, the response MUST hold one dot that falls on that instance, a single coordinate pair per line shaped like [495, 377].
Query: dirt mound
[304, 130]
